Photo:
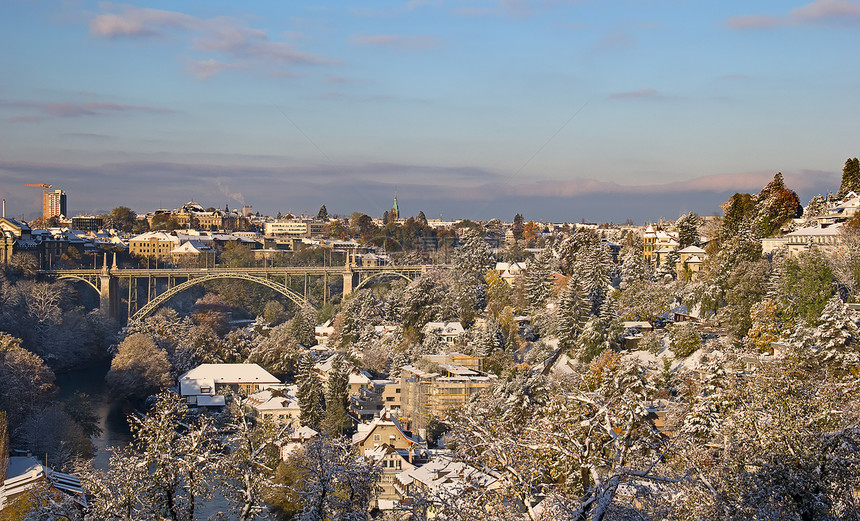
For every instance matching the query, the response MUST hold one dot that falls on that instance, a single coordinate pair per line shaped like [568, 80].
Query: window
[376, 437]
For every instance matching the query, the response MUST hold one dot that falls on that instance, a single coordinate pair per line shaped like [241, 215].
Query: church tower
[395, 211]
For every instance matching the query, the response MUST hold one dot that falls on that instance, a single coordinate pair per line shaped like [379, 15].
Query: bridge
[105, 281]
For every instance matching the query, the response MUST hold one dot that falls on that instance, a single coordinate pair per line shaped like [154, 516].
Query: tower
[56, 203]
[395, 211]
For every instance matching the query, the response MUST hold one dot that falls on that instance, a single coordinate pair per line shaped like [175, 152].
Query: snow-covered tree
[538, 285]
[572, 311]
[688, 230]
[250, 463]
[310, 393]
[301, 327]
[333, 481]
[473, 257]
[139, 368]
[836, 337]
[765, 328]
[336, 418]
[685, 339]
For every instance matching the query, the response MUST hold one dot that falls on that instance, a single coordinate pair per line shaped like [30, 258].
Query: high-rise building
[56, 203]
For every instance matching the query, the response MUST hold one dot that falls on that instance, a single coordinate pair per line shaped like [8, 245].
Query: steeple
[395, 211]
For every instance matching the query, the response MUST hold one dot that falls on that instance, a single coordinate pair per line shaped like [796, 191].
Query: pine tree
[850, 177]
[473, 257]
[322, 215]
[337, 398]
[572, 311]
[537, 280]
[836, 337]
[309, 392]
[688, 230]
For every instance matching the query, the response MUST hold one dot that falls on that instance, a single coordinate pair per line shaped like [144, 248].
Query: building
[825, 238]
[207, 384]
[449, 333]
[426, 395]
[87, 223]
[56, 203]
[278, 404]
[387, 429]
[153, 244]
[690, 262]
[295, 228]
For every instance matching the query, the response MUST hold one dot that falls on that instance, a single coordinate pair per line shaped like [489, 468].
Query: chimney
[4, 208]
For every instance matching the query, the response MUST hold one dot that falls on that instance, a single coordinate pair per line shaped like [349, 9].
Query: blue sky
[557, 110]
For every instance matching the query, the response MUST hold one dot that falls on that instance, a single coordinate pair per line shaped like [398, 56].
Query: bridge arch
[153, 304]
[80, 279]
[380, 275]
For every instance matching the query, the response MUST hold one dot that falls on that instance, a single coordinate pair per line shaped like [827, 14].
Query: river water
[112, 415]
[113, 422]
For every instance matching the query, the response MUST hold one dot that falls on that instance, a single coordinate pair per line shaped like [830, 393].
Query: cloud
[829, 12]
[637, 94]
[397, 41]
[458, 191]
[203, 70]
[75, 109]
[214, 37]
[135, 22]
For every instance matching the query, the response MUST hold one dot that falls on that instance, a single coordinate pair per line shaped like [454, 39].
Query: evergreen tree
[573, 308]
[688, 230]
[422, 219]
[309, 393]
[337, 398]
[322, 215]
[537, 280]
[836, 337]
[301, 328]
[473, 257]
[518, 226]
[850, 177]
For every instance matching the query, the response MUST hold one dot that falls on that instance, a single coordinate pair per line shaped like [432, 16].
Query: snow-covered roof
[816, 231]
[693, 249]
[229, 374]
[444, 328]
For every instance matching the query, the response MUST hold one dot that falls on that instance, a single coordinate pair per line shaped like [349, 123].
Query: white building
[206, 384]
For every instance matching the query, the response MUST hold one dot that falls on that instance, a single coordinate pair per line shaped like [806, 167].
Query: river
[112, 416]
[112, 420]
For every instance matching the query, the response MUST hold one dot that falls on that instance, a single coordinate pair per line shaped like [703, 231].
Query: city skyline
[557, 110]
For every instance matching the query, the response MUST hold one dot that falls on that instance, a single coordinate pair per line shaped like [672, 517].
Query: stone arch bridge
[141, 304]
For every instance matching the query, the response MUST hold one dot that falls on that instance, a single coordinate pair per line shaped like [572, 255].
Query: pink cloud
[246, 46]
[836, 12]
[398, 41]
[205, 69]
[137, 22]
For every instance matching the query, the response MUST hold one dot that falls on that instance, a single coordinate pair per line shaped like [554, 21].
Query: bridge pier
[109, 295]
[350, 281]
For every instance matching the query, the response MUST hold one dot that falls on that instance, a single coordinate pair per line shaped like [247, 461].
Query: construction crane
[45, 205]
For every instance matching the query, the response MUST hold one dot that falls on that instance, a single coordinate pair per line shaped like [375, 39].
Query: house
[295, 440]
[442, 476]
[276, 403]
[323, 331]
[690, 260]
[449, 333]
[25, 473]
[206, 384]
[393, 461]
[385, 428]
[189, 251]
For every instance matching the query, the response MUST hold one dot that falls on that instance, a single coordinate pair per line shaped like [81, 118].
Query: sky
[558, 110]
